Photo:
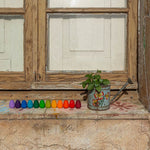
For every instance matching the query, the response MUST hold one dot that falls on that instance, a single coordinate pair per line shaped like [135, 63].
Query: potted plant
[98, 91]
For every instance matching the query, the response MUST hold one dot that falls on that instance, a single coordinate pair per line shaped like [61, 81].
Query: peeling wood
[76, 85]
[28, 31]
[35, 38]
[132, 39]
[87, 10]
[12, 11]
[9, 77]
[41, 40]
[74, 77]
[144, 52]
[15, 85]
[57, 95]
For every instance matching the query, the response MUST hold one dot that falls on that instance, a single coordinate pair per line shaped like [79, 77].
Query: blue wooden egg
[24, 104]
[30, 104]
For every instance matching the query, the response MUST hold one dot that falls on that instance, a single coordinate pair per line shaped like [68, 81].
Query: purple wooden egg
[11, 104]
[17, 104]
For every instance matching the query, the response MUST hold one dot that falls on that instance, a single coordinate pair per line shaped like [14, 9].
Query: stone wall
[75, 135]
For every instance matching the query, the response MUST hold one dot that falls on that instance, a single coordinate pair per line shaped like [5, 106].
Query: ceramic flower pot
[99, 101]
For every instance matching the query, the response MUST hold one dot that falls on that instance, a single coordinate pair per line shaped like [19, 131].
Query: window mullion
[87, 10]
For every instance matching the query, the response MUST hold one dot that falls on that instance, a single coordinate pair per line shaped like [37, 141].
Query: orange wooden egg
[60, 104]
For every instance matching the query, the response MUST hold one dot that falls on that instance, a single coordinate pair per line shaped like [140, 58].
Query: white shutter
[11, 3]
[87, 42]
[11, 43]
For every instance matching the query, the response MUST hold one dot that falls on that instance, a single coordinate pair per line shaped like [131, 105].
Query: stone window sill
[126, 108]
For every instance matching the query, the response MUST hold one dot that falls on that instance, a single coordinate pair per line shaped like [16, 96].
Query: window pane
[86, 42]
[11, 3]
[11, 43]
[86, 3]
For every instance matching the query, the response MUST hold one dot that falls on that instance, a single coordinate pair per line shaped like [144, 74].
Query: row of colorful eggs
[42, 104]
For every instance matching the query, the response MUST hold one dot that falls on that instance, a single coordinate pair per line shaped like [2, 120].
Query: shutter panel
[144, 54]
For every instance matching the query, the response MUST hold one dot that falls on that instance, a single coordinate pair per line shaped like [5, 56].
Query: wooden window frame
[35, 35]
[21, 80]
[71, 80]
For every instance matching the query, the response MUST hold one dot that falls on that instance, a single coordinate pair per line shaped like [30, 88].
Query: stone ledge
[123, 109]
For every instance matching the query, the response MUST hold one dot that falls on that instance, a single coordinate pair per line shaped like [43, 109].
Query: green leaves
[98, 71]
[89, 76]
[101, 81]
[83, 84]
[106, 82]
[94, 81]
[97, 76]
[98, 88]
[88, 81]
[90, 87]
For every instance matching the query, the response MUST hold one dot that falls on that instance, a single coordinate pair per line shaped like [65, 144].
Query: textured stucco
[75, 135]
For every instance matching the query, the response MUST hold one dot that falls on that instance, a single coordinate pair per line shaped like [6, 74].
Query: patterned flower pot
[99, 101]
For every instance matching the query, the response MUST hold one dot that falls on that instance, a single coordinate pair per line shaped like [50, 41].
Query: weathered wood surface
[28, 31]
[87, 10]
[144, 52]
[53, 85]
[41, 40]
[65, 78]
[147, 59]
[15, 85]
[76, 85]
[128, 107]
[80, 76]
[132, 39]
[13, 76]
[75, 135]
[35, 37]
[8, 95]
[12, 11]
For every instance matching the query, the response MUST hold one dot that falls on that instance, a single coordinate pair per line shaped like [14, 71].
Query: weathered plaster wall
[75, 135]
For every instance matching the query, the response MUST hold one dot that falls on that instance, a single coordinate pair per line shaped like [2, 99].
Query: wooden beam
[41, 40]
[15, 86]
[67, 77]
[28, 31]
[132, 39]
[144, 53]
[35, 36]
[12, 11]
[57, 95]
[12, 76]
[87, 10]
[74, 85]
[144, 75]
[147, 60]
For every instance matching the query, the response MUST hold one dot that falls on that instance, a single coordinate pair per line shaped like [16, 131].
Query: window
[11, 43]
[82, 42]
[59, 41]
[16, 44]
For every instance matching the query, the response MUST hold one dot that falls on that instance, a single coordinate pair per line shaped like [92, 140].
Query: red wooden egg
[78, 104]
[72, 104]
[66, 104]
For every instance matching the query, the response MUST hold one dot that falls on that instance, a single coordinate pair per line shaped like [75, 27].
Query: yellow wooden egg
[54, 104]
